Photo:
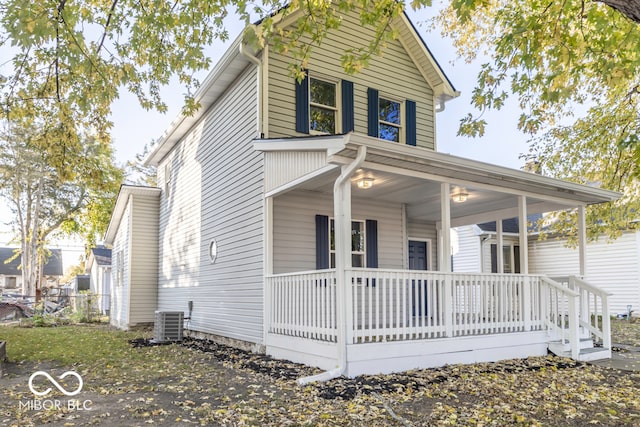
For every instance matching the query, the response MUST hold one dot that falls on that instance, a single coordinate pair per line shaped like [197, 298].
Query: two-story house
[311, 220]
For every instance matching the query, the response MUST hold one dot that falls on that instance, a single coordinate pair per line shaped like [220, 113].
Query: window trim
[120, 268]
[428, 241]
[362, 253]
[167, 179]
[337, 110]
[511, 262]
[401, 127]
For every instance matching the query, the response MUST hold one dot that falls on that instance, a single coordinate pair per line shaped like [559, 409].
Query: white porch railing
[302, 304]
[593, 314]
[398, 305]
[393, 305]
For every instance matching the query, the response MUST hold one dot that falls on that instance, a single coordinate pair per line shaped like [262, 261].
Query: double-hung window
[358, 247]
[389, 119]
[510, 258]
[323, 107]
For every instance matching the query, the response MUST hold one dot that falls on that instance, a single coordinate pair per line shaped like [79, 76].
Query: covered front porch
[359, 299]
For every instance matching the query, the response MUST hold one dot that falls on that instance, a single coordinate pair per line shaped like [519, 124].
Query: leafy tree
[48, 197]
[575, 69]
[139, 174]
[71, 59]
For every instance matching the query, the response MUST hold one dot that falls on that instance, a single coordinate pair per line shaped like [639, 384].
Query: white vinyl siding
[216, 193]
[143, 275]
[466, 259]
[393, 73]
[119, 316]
[613, 267]
[425, 231]
[284, 167]
[294, 229]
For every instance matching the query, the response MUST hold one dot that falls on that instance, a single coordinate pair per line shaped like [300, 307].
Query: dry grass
[217, 385]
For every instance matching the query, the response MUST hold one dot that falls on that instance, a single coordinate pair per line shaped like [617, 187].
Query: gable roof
[53, 267]
[121, 204]
[102, 255]
[236, 59]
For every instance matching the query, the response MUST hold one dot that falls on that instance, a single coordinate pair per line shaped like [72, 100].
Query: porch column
[499, 245]
[445, 225]
[342, 223]
[445, 255]
[524, 262]
[268, 264]
[268, 235]
[582, 240]
[524, 249]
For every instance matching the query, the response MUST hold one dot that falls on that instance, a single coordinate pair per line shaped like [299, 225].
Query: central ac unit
[168, 326]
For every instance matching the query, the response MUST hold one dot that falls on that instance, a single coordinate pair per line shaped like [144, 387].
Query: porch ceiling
[413, 176]
[422, 197]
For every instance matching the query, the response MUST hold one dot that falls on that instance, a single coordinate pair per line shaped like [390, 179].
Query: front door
[418, 256]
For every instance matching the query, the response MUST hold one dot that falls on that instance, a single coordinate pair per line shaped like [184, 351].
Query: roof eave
[121, 204]
[213, 83]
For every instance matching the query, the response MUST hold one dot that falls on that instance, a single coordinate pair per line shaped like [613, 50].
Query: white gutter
[244, 52]
[341, 282]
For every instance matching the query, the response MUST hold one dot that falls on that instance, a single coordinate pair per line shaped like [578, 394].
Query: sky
[502, 144]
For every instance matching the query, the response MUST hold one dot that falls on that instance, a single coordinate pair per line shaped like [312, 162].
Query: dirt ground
[202, 383]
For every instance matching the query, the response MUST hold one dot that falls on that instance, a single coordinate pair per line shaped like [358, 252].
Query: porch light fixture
[365, 183]
[460, 195]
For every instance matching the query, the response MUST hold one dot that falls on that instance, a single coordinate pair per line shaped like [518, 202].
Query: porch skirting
[398, 356]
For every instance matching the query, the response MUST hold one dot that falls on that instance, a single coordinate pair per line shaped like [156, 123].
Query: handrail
[558, 286]
[588, 286]
[301, 273]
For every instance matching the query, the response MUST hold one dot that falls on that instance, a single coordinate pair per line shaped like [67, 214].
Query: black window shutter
[410, 113]
[371, 227]
[302, 105]
[494, 258]
[322, 242]
[372, 96]
[347, 107]
[516, 259]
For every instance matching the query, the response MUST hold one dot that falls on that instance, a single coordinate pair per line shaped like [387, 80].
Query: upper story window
[323, 110]
[390, 120]
[324, 105]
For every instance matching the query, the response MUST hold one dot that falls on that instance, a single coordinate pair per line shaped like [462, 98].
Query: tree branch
[106, 25]
[629, 8]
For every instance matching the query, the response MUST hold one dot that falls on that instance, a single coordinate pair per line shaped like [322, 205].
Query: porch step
[589, 354]
[557, 347]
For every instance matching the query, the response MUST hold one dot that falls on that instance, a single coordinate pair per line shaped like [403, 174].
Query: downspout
[244, 52]
[341, 283]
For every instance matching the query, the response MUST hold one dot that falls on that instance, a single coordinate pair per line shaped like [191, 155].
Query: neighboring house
[99, 270]
[133, 235]
[312, 220]
[11, 273]
[81, 282]
[613, 266]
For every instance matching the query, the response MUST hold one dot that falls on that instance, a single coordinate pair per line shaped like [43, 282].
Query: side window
[323, 109]
[358, 248]
[390, 119]
[167, 179]
[119, 268]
